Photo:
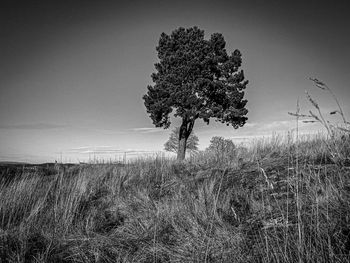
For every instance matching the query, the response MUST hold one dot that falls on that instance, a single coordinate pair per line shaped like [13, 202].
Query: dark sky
[72, 73]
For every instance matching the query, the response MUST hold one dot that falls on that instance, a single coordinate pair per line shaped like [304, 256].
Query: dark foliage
[198, 79]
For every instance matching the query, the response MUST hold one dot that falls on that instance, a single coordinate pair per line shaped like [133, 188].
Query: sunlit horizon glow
[72, 75]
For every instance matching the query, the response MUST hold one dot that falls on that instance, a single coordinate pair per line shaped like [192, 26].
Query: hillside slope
[280, 201]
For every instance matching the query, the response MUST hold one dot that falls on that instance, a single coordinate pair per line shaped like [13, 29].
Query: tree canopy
[197, 79]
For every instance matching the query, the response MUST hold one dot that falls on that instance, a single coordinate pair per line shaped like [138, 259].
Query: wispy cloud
[285, 125]
[251, 124]
[84, 148]
[93, 149]
[146, 130]
[104, 150]
[276, 125]
[32, 126]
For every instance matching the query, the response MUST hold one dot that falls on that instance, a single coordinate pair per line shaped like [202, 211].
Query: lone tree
[199, 80]
[222, 148]
[220, 145]
[172, 144]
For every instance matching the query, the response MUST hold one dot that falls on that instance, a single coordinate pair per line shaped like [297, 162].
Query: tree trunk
[181, 153]
[185, 131]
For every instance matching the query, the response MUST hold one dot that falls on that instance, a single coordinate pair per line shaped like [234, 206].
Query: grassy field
[282, 200]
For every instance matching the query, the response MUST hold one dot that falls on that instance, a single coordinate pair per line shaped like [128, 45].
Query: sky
[73, 73]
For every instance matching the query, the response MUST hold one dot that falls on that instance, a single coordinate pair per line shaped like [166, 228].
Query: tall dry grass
[265, 209]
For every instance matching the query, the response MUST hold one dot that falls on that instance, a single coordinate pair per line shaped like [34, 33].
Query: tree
[172, 144]
[221, 146]
[199, 80]
[224, 150]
